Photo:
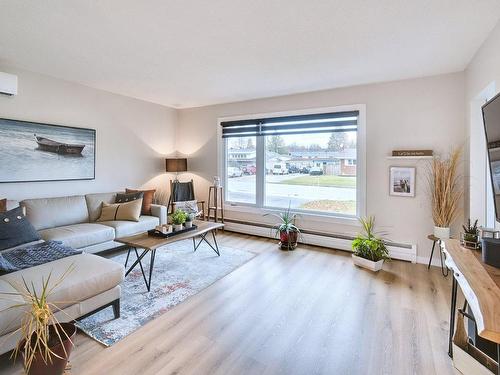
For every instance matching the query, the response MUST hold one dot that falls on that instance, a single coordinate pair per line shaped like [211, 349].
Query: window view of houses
[310, 172]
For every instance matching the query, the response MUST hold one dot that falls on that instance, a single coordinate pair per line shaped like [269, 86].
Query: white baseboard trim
[396, 252]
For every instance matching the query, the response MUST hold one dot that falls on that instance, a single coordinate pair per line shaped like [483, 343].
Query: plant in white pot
[446, 192]
[370, 250]
[189, 220]
[178, 218]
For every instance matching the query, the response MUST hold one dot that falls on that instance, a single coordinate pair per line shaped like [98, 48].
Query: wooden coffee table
[151, 243]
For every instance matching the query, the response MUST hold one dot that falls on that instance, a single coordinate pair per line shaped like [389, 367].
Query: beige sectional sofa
[95, 281]
[72, 220]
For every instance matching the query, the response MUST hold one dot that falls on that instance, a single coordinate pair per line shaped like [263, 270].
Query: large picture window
[305, 162]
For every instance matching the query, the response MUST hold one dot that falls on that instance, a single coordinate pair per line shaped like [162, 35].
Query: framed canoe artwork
[32, 151]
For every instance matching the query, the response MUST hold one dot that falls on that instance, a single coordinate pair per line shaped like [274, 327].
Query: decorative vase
[367, 263]
[443, 233]
[60, 359]
[177, 227]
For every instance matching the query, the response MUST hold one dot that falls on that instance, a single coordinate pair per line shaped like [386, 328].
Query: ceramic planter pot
[58, 365]
[177, 227]
[368, 264]
[188, 224]
[288, 241]
[442, 233]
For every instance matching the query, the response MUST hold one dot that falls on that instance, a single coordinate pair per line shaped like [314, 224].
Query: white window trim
[310, 215]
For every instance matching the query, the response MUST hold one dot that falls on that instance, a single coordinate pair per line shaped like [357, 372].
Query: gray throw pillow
[128, 197]
[15, 229]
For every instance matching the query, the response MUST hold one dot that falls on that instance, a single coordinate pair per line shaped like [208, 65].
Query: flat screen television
[491, 119]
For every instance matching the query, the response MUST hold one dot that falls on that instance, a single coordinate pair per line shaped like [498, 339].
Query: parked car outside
[234, 172]
[280, 169]
[316, 171]
[293, 169]
[250, 169]
[304, 170]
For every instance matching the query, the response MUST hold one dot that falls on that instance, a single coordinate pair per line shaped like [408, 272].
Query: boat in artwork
[50, 145]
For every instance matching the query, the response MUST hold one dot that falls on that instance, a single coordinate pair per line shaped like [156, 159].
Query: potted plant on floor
[178, 218]
[446, 192]
[286, 230]
[45, 343]
[370, 250]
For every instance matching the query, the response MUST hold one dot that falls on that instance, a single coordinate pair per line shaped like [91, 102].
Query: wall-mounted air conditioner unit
[8, 84]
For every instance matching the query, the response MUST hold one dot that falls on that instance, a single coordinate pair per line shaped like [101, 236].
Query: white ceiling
[190, 53]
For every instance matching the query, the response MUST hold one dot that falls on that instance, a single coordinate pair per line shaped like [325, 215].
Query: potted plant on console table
[286, 230]
[370, 251]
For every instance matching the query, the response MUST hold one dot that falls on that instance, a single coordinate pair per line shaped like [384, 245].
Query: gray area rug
[178, 274]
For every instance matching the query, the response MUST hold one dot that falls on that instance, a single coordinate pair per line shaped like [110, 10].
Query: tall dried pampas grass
[445, 188]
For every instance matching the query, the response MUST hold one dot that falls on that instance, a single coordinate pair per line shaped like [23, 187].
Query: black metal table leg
[432, 253]
[203, 238]
[151, 264]
[128, 254]
[452, 314]
[498, 359]
[216, 245]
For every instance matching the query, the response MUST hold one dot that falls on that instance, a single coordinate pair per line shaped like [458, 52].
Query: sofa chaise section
[92, 284]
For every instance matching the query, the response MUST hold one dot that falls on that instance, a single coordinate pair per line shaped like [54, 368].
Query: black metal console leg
[452, 314]
[432, 253]
[116, 308]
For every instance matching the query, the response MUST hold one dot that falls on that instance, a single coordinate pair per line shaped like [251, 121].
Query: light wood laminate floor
[304, 312]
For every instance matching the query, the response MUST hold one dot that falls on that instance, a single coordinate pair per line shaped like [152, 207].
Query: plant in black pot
[286, 230]
[369, 249]
[45, 343]
[469, 238]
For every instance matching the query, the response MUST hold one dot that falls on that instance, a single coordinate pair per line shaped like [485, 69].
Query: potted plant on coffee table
[45, 343]
[189, 221]
[446, 192]
[178, 218]
[286, 230]
[369, 249]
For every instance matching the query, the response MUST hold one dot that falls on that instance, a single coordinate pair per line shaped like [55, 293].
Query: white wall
[482, 81]
[132, 135]
[426, 113]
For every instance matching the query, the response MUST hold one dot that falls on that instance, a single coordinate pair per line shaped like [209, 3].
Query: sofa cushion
[129, 228]
[147, 199]
[79, 235]
[3, 205]
[55, 212]
[89, 276]
[15, 229]
[127, 197]
[94, 203]
[121, 211]
[10, 314]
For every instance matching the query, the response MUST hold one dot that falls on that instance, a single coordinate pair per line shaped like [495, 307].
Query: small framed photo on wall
[402, 181]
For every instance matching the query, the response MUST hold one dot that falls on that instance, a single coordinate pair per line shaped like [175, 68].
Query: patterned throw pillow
[15, 229]
[128, 197]
[147, 200]
[3, 205]
[129, 211]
